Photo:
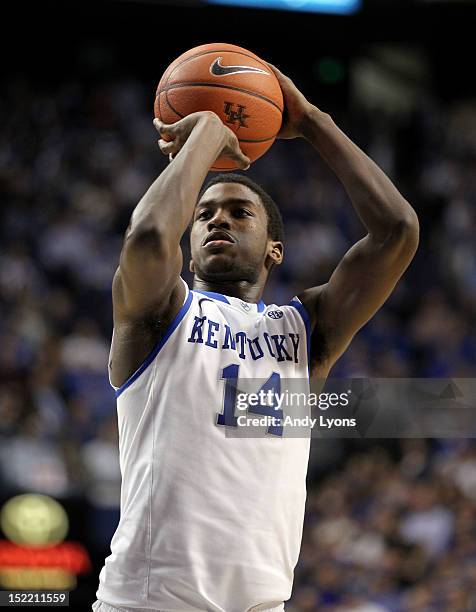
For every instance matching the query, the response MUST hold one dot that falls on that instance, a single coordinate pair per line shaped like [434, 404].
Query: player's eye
[205, 214]
[242, 212]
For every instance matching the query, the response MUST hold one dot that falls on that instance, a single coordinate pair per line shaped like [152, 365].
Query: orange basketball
[233, 83]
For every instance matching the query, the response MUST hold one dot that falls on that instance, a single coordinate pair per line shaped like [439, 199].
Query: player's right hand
[178, 133]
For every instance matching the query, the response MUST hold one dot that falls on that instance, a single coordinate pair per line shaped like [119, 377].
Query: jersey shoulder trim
[212, 294]
[155, 351]
[260, 306]
[299, 306]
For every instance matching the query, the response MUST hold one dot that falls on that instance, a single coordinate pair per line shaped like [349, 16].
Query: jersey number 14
[273, 384]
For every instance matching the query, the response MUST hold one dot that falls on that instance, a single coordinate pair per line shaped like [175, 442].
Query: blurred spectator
[29, 462]
[426, 522]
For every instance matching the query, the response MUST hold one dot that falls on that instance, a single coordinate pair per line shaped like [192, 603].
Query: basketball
[232, 82]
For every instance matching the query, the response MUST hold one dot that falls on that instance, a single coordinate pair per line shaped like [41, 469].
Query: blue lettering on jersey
[283, 354]
[295, 341]
[241, 338]
[212, 326]
[254, 344]
[197, 330]
[229, 339]
[282, 347]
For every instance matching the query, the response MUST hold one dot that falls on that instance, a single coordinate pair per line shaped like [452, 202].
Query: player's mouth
[217, 238]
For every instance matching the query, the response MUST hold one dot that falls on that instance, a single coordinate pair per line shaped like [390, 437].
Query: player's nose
[219, 219]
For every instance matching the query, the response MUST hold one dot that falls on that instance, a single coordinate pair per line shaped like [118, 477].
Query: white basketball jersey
[209, 521]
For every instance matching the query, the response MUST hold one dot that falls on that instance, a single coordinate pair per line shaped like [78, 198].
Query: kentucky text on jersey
[282, 347]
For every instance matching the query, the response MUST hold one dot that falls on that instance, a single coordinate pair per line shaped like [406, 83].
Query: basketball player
[210, 521]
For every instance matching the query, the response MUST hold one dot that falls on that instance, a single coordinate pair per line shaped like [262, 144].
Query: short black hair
[275, 220]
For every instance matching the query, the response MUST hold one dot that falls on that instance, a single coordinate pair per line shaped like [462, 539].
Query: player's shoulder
[293, 309]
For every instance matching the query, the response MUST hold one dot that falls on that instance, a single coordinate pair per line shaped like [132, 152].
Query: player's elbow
[404, 236]
[409, 229]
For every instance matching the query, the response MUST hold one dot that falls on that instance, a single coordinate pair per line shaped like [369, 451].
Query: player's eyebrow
[209, 203]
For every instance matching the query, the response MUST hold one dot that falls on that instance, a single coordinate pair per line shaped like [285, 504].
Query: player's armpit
[359, 286]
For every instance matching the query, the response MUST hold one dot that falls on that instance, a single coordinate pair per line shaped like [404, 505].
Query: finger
[234, 151]
[169, 148]
[276, 70]
[240, 158]
[243, 161]
[163, 128]
[246, 163]
[279, 75]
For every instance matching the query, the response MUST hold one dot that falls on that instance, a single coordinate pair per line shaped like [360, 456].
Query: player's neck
[239, 289]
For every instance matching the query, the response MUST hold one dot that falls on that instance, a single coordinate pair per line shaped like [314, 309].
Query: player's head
[236, 232]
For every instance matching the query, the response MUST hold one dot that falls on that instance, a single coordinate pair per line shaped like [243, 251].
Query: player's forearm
[168, 205]
[376, 200]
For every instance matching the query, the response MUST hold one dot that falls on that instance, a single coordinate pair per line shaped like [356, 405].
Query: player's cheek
[195, 242]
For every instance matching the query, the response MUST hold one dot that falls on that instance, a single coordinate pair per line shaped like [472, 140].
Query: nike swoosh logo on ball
[218, 70]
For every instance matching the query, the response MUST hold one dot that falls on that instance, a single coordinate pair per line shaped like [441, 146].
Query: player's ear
[275, 253]
[191, 266]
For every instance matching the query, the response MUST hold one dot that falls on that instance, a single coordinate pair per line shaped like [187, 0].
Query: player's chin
[219, 254]
[218, 264]
[219, 267]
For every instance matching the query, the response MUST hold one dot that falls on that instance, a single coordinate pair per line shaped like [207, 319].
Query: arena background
[390, 524]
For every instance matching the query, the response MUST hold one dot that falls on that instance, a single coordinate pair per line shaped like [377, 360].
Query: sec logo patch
[275, 314]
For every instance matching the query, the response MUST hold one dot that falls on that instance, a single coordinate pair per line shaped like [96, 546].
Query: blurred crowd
[383, 531]
[392, 532]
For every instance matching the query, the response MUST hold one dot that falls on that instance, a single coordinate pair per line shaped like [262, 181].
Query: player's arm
[147, 279]
[369, 271]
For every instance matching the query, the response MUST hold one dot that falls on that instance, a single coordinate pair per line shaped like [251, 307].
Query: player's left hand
[296, 107]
